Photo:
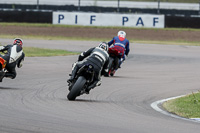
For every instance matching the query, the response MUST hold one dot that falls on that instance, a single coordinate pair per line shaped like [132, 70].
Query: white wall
[109, 19]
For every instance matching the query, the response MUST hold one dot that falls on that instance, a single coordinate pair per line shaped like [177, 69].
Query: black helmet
[104, 46]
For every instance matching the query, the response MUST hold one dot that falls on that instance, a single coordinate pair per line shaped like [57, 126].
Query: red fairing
[116, 51]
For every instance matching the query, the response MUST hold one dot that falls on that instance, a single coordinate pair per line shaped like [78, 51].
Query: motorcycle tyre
[110, 65]
[76, 89]
[115, 65]
[2, 73]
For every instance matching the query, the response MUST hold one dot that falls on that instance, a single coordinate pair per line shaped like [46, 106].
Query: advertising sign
[108, 19]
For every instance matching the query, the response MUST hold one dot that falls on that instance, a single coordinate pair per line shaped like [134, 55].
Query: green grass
[35, 24]
[188, 106]
[135, 40]
[40, 52]
[52, 37]
[103, 27]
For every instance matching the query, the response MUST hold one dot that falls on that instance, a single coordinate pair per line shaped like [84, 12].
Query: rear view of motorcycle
[83, 79]
[114, 57]
[2, 68]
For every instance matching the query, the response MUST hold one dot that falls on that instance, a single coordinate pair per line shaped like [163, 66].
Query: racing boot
[119, 66]
[112, 73]
[10, 75]
[72, 75]
[120, 62]
[92, 86]
[70, 80]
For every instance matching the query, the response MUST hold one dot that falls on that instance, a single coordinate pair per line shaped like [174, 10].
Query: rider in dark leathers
[14, 56]
[98, 57]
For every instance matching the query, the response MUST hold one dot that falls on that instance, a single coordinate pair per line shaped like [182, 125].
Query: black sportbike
[83, 79]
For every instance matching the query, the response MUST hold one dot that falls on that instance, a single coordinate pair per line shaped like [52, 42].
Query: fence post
[118, 6]
[158, 11]
[37, 5]
[79, 5]
[199, 7]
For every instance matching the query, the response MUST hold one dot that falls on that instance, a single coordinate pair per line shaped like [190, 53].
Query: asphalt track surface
[35, 102]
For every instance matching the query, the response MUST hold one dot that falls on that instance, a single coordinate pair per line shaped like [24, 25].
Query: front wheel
[2, 73]
[76, 89]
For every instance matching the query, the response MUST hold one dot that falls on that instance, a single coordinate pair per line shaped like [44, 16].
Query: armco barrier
[46, 17]
[182, 22]
[26, 16]
[100, 9]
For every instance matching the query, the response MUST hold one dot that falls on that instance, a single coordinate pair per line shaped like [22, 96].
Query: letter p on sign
[60, 17]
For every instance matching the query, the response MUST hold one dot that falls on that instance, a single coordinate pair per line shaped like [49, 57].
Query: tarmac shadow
[86, 100]
[8, 88]
[123, 77]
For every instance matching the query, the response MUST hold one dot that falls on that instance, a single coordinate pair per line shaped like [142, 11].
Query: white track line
[155, 106]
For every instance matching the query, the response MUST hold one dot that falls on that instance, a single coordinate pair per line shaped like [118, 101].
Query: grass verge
[133, 40]
[188, 106]
[99, 27]
[41, 52]
[175, 42]
[51, 37]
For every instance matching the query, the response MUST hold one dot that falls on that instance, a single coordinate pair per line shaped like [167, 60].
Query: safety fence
[176, 14]
[174, 7]
[47, 17]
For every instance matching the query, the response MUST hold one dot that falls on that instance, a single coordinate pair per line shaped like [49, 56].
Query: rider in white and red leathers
[120, 43]
[13, 57]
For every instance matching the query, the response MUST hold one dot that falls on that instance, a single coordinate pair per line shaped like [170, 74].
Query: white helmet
[122, 33]
[18, 41]
[104, 46]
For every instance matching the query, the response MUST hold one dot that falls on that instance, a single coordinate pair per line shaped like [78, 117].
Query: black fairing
[86, 71]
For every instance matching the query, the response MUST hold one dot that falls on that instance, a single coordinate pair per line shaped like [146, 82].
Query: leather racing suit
[97, 57]
[13, 57]
[120, 45]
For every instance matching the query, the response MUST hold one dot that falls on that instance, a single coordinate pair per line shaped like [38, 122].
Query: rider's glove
[20, 63]
[1, 48]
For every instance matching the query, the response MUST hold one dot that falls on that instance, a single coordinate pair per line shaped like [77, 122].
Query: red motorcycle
[2, 68]
[114, 55]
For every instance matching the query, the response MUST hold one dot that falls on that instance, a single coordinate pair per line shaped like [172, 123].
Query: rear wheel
[110, 66]
[114, 66]
[76, 89]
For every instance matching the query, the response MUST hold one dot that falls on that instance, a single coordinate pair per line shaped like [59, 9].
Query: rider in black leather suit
[98, 57]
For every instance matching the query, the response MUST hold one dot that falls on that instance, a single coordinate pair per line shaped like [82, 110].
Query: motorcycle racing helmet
[121, 35]
[104, 46]
[18, 41]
